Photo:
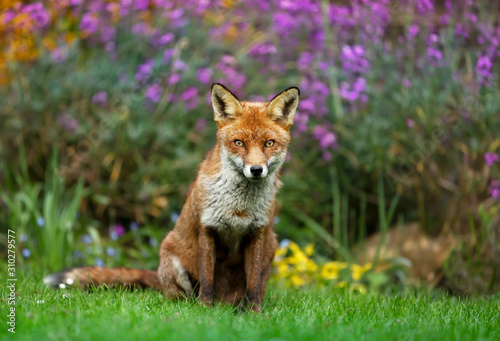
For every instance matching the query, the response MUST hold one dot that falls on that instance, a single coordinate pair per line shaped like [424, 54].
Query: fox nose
[256, 170]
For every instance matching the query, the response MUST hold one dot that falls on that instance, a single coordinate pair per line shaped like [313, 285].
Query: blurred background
[393, 174]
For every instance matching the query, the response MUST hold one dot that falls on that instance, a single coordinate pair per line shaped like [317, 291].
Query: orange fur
[223, 244]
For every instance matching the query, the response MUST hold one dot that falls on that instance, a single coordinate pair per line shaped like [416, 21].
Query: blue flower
[110, 251]
[284, 243]
[26, 253]
[24, 237]
[276, 220]
[99, 262]
[153, 242]
[87, 239]
[174, 216]
[40, 221]
[114, 235]
[133, 226]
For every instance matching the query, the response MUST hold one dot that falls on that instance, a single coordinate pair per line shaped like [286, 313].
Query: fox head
[254, 136]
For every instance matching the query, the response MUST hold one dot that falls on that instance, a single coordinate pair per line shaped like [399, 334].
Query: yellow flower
[331, 270]
[357, 271]
[358, 287]
[297, 280]
[311, 266]
[282, 271]
[298, 257]
[309, 249]
[281, 252]
[342, 284]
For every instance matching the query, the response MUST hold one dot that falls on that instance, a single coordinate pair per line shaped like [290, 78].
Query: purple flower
[190, 97]
[262, 49]
[354, 92]
[179, 65]
[68, 123]
[154, 93]
[326, 139]
[494, 189]
[116, 231]
[284, 23]
[173, 79]
[491, 158]
[107, 33]
[144, 70]
[483, 69]
[189, 94]
[59, 55]
[353, 58]
[201, 123]
[141, 5]
[7, 17]
[434, 54]
[38, 13]
[141, 29]
[305, 60]
[165, 39]
[327, 156]
[100, 98]
[167, 56]
[407, 83]
[410, 123]
[425, 6]
[413, 30]
[89, 23]
[204, 75]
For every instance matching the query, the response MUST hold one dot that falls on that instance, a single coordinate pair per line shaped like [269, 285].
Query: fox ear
[226, 106]
[282, 107]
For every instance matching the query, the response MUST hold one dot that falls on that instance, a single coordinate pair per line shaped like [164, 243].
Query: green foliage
[44, 214]
[473, 266]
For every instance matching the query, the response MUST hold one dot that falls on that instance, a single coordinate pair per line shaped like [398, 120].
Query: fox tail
[96, 276]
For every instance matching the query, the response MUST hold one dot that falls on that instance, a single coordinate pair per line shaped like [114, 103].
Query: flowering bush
[295, 268]
[404, 91]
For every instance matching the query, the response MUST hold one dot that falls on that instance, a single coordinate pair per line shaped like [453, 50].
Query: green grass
[287, 315]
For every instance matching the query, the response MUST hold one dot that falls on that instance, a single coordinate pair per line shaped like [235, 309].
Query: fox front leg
[253, 270]
[207, 266]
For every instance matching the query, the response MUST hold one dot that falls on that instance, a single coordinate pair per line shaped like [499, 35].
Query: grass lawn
[287, 315]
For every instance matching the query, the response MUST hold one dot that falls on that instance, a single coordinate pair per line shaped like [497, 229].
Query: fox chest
[234, 208]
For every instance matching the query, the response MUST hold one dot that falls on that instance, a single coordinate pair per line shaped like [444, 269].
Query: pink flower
[204, 75]
[190, 97]
[153, 93]
[410, 123]
[494, 189]
[491, 158]
[100, 98]
[116, 231]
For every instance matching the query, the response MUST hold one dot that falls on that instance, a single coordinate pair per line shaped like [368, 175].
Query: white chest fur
[235, 206]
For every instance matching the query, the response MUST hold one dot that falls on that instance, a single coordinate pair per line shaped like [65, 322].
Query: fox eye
[270, 143]
[239, 143]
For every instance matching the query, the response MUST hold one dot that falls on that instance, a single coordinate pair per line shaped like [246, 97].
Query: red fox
[223, 243]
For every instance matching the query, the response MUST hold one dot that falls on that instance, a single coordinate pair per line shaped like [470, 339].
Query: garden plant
[105, 116]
